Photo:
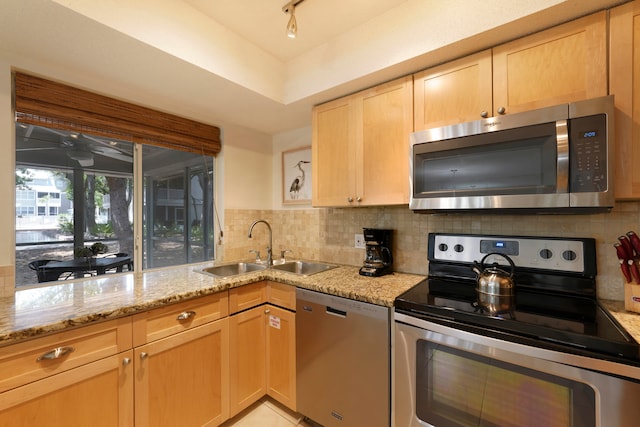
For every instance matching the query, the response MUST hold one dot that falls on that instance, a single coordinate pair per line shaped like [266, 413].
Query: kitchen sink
[233, 269]
[303, 268]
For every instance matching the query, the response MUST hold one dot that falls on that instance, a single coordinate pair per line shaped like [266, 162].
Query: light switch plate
[359, 241]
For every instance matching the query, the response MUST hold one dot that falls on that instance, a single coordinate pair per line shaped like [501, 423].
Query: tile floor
[267, 413]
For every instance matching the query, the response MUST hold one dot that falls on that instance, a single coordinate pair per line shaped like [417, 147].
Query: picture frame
[296, 176]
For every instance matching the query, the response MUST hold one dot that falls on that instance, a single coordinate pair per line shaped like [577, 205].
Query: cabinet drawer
[282, 295]
[247, 296]
[32, 360]
[162, 322]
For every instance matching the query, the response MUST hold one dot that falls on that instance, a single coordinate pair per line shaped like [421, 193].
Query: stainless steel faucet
[269, 252]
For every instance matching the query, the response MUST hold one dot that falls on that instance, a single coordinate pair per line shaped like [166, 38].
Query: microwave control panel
[588, 154]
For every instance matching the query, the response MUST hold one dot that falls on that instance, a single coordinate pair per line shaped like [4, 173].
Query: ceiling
[263, 22]
[229, 62]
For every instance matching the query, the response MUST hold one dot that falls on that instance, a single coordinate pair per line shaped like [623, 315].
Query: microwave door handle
[562, 147]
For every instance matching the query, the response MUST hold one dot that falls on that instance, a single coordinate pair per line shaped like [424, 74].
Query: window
[75, 152]
[98, 200]
[178, 207]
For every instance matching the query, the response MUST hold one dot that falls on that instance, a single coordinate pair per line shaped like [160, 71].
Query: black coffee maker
[377, 258]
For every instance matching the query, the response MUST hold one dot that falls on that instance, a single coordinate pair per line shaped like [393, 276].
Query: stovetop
[553, 308]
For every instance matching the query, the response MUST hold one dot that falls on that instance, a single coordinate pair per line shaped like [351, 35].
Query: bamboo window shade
[46, 103]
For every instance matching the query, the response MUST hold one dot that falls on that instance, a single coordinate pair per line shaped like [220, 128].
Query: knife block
[632, 297]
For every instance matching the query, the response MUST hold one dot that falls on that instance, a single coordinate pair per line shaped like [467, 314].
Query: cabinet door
[281, 356]
[382, 151]
[97, 394]
[282, 295]
[182, 380]
[563, 64]
[247, 296]
[456, 92]
[625, 85]
[333, 153]
[246, 359]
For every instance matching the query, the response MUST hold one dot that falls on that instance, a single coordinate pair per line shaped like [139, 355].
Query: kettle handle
[513, 266]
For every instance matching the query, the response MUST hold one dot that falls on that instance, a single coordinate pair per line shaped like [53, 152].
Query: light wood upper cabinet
[455, 92]
[360, 147]
[565, 63]
[625, 86]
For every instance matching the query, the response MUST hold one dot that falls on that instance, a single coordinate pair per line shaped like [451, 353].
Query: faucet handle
[282, 255]
[257, 255]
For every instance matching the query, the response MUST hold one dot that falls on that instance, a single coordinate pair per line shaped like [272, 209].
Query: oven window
[455, 388]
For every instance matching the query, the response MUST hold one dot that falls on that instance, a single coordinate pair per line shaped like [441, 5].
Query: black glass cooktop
[575, 324]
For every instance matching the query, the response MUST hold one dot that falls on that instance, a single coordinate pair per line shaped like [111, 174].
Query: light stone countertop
[35, 311]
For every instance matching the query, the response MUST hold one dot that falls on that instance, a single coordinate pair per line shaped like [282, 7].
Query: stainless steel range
[548, 354]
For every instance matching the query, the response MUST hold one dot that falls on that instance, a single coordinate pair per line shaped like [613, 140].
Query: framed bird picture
[296, 176]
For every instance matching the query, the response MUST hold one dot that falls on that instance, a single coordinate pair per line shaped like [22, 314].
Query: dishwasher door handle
[335, 312]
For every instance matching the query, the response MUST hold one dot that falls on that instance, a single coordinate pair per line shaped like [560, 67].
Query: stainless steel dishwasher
[342, 352]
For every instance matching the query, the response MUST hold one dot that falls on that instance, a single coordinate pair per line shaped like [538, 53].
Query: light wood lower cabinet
[247, 349]
[78, 377]
[262, 345]
[185, 364]
[97, 394]
[281, 355]
[182, 380]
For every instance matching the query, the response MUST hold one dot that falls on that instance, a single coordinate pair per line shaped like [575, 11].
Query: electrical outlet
[359, 241]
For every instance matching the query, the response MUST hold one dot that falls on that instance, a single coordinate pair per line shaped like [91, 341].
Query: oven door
[447, 377]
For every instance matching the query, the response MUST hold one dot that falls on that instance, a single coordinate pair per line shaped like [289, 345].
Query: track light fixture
[292, 25]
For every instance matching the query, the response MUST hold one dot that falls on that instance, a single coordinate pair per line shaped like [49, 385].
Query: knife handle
[621, 252]
[626, 245]
[635, 241]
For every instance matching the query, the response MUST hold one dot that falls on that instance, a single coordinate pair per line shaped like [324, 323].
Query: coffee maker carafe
[377, 258]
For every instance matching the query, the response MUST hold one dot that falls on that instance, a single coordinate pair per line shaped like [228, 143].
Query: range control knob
[442, 247]
[546, 254]
[458, 248]
[569, 255]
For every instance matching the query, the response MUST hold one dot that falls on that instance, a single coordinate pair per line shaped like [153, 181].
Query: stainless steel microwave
[552, 159]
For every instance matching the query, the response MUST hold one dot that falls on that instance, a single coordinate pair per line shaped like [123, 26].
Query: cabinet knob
[185, 315]
[484, 114]
[502, 110]
[56, 353]
[126, 361]
[358, 199]
[350, 199]
[267, 311]
[143, 355]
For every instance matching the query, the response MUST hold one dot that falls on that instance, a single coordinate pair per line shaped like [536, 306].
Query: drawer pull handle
[56, 353]
[186, 315]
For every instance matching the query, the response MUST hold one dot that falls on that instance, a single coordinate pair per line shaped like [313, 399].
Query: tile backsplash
[327, 234]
